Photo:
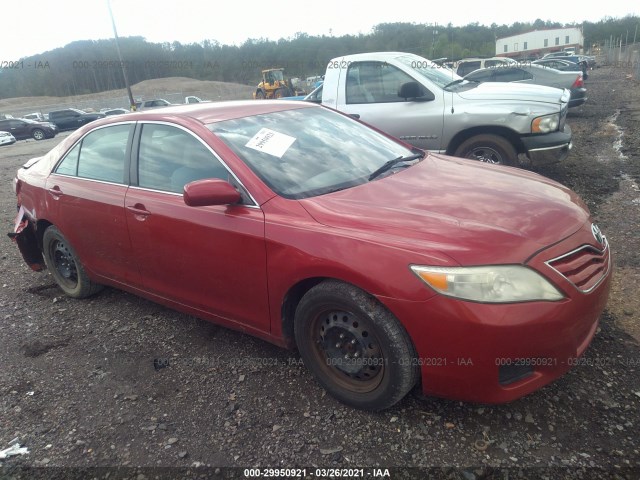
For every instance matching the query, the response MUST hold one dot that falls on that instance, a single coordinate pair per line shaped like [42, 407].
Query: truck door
[370, 93]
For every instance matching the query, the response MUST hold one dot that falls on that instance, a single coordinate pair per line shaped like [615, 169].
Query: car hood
[515, 91]
[472, 212]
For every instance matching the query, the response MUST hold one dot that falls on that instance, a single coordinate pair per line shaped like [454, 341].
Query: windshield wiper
[392, 163]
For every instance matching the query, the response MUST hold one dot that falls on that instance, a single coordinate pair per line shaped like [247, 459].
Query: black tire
[63, 263]
[333, 318]
[38, 134]
[259, 95]
[488, 148]
[282, 92]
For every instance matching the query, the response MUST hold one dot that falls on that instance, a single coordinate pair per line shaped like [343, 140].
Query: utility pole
[122, 64]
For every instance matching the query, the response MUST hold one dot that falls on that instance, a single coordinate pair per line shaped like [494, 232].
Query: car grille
[585, 267]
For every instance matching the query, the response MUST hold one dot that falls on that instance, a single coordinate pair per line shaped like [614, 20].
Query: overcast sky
[30, 28]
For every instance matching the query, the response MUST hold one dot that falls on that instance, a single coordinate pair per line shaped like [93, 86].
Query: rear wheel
[63, 263]
[357, 350]
[488, 148]
[38, 134]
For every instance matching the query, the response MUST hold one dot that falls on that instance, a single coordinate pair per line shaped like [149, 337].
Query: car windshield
[438, 74]
[309, 151]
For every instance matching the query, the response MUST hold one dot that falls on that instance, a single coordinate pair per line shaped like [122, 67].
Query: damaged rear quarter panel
[24, 235]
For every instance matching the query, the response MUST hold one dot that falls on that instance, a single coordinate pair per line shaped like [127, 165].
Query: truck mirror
[415, 92]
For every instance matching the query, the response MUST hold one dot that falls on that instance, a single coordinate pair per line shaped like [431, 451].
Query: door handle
[354, 115]
[55, 192]
[138, 209]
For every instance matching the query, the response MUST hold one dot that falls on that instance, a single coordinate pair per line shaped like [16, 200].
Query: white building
[539, 42]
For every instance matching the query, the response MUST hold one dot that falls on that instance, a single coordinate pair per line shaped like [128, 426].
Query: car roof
[219, 111]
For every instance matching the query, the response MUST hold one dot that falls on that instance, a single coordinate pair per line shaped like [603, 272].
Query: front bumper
[550, 148]
[496, 353]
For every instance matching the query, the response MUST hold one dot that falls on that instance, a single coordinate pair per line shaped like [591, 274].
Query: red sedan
[384, 265]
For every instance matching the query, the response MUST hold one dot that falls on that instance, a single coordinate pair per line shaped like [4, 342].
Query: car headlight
[489, 284]
[546, 123]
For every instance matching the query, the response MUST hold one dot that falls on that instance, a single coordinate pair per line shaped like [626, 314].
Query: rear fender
[24, 235]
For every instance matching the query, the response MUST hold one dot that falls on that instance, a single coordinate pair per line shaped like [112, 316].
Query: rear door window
[101, 155]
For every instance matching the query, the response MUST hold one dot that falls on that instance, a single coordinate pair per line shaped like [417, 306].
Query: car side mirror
[415, 92]
[210, 191]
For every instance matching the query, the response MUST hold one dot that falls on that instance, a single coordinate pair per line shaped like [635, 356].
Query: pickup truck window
[435, 73]
[374, 82]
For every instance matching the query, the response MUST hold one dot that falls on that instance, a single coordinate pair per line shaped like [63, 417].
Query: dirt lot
[116, 381]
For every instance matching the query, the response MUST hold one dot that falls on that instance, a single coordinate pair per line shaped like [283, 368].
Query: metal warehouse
[539, 42]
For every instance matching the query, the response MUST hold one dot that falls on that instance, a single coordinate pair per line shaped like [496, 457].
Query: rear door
[371, 94]
[86, 195]
[210, 258]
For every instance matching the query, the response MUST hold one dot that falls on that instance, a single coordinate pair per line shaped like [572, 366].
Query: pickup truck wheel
[357, 350]
[488, 148]
[63, 263]
[38, 134]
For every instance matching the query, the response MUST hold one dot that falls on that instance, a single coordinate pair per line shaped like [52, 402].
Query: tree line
[91, 66]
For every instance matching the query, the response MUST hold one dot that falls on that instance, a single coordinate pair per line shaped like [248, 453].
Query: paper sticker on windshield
[271, 142]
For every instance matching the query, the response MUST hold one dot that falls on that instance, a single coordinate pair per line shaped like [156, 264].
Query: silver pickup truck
[431, 107]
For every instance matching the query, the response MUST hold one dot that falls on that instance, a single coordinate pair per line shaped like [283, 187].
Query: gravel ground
[117, 381]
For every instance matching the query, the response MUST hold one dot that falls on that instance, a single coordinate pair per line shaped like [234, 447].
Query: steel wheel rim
[486, 154]
[64, 264]
[347, 350]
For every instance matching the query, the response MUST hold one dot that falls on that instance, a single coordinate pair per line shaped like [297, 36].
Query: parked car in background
[468, 65]
[537, 75]
[149, 104]
[193, 99]
[22, 128]
[114, 111]
[559, 64]
[306, 228]
[38, 117]
[556, 54]
[580, 60]
[72, 118]
[433, 108]
[6, 138]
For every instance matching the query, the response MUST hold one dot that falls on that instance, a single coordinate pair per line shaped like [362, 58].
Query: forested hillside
[90, 66]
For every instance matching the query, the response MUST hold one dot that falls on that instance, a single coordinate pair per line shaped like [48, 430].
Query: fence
[625, 56]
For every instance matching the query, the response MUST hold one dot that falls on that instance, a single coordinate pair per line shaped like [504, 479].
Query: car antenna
[451, 44]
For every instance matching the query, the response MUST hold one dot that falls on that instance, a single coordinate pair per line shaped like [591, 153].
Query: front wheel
[488, 148]
[282, 92]
[259, 95]
[357, 350]
[38, 134]
[63, 263]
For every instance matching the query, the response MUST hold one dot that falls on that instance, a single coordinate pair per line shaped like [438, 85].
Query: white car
[6, 138]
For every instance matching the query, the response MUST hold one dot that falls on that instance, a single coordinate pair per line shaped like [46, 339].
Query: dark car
[559, 64]
[22, 128]
[537, 75]
[385, 265]
[72, 118]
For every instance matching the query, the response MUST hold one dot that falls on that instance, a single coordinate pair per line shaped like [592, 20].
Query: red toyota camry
[384, 265]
